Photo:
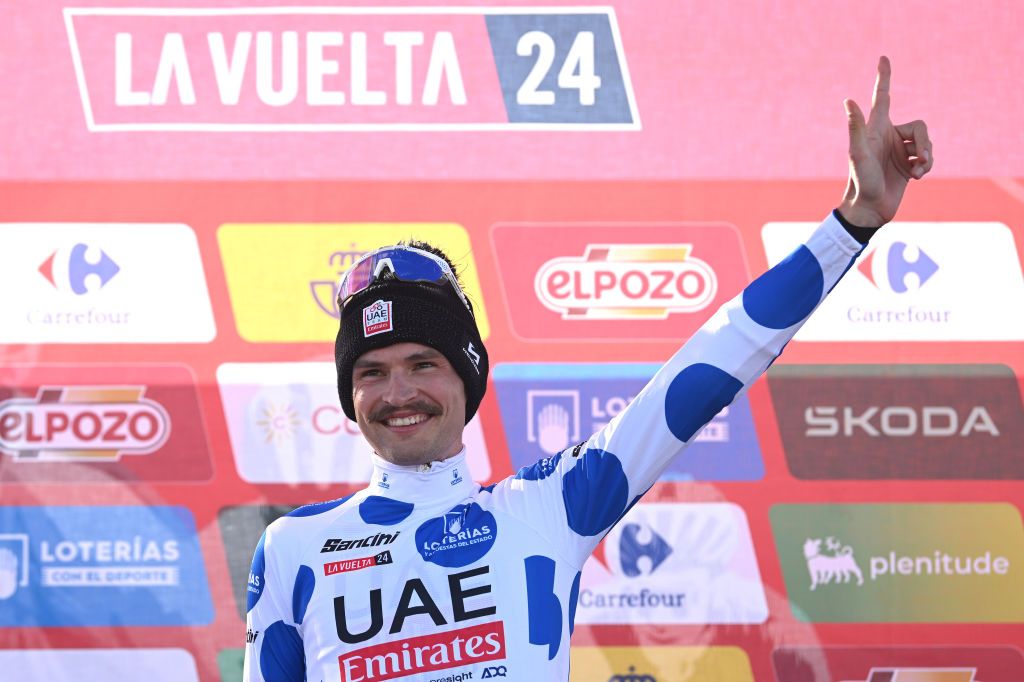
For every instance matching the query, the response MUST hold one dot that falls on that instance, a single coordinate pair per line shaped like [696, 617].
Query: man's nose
[399, 390]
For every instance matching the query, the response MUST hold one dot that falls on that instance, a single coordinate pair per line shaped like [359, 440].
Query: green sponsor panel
[910, 563]
[229, 661]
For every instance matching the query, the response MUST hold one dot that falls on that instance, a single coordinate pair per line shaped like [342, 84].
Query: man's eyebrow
[429, 354]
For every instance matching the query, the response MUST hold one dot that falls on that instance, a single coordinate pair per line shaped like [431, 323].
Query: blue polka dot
[281, 655]
[574, 597]
[319, 507]
[787, 293]
[544, 611]
[595, 492]
[254, 590]
[540, 469]
[305, 581]
[384, 511]
[695, 396]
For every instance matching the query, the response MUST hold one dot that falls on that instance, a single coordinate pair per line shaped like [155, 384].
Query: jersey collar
[447, 479]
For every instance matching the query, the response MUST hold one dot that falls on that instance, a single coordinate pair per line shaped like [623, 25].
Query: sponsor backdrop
[181, 188]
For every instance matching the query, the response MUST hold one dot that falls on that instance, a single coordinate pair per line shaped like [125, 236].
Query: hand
[883, 158]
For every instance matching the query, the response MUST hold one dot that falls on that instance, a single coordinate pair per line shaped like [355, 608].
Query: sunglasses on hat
[406, 263]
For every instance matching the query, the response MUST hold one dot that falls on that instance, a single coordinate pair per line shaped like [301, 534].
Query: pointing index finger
[880, 99]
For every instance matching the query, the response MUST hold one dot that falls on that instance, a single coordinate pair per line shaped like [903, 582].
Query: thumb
[855, 120]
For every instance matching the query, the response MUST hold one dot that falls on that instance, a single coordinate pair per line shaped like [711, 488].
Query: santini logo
[340, 545]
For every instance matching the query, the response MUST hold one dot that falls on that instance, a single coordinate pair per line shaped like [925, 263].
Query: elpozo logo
[70, 566]
[68, 422]
[546, 407]
[283, 278]
[82, 423]
[587, 282]
[626, 281]
[102, 283]
[928, 565]
[344, 68]
[874, 421]
[916, 282]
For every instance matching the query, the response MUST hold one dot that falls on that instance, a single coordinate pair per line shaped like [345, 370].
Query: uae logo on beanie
[377, 318]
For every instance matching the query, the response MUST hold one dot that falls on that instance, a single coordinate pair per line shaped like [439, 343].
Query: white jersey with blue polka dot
[426, 575]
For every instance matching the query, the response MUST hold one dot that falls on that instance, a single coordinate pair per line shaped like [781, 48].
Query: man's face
[410, 404]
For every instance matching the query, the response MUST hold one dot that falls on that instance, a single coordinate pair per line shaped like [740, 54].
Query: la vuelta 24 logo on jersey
[462, 536]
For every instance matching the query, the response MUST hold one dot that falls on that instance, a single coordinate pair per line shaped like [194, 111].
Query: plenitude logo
[103, 283]
[84, 566]
[902, 562]
[940, 663]
[656, 566]
[899, 421]
[74, 665]
[286, 426]
[546, 407]
[916, 282]
[317, 69]
[283, 279]
[101, 422]
[660, 663]
[573, 281]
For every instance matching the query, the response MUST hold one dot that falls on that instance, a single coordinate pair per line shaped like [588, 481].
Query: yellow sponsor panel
[282, 278]
[659, 664]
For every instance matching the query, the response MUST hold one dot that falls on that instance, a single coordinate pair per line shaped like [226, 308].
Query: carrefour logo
[916, 283]
[898, 267]
[625, 281]
[655, 567]
[92, 423]
[78, 267]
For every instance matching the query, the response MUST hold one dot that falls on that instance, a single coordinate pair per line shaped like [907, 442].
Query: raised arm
[575, 497]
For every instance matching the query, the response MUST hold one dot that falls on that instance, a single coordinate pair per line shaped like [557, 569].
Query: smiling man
[426, 575]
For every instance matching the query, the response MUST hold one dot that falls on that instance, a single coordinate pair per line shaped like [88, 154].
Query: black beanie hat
[394, 311]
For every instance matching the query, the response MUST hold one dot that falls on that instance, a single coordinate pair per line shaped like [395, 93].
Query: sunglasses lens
[413, 267]
[356, 279]
[406, 264]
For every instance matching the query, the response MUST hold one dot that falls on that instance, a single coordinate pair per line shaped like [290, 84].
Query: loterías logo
[84, 423]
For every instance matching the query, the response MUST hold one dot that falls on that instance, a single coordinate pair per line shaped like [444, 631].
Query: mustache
[387, 411]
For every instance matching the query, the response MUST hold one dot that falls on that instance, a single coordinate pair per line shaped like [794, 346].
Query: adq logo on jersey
[89, 423]
[460, 537]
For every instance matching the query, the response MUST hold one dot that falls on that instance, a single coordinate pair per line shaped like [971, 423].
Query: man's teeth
[407, 421]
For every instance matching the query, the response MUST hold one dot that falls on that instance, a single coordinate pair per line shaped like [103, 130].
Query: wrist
[860, 216]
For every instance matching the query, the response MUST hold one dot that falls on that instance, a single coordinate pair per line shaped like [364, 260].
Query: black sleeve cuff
[861, 234]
